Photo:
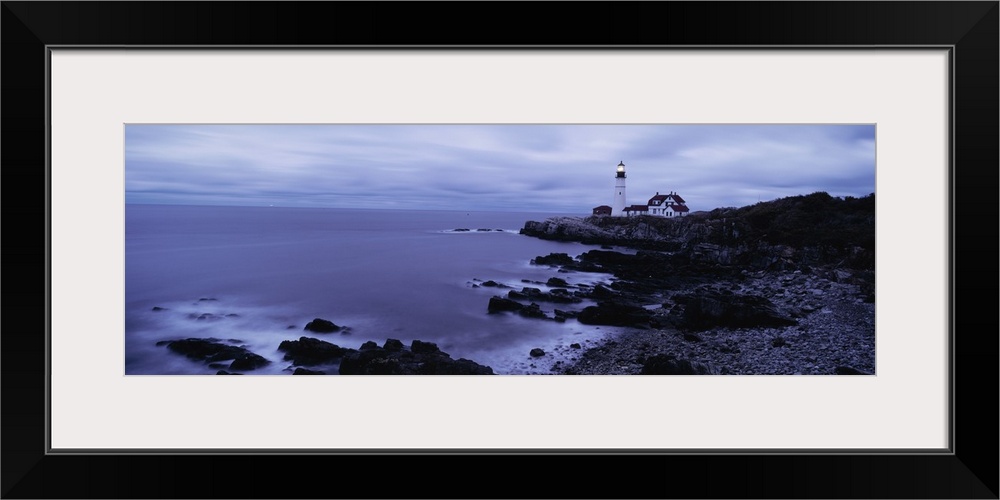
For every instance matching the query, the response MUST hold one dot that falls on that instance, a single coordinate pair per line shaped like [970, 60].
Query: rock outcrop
[308, 351]
[669, 365]
[213, 350]
[615, 314]
[708, 308]
[780, 235]
[422, 358]
[319, 325]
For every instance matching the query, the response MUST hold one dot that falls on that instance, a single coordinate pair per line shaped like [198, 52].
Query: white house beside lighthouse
[618, 205]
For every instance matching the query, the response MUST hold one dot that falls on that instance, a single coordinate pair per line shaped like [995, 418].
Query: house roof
[680, 208]
[637, 208]
[659, 197]
[677, 198]
[602, 207]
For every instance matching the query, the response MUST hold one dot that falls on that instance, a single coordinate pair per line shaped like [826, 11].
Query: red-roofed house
[667, 205]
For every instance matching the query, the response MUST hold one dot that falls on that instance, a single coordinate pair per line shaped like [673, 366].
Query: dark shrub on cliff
[816, 219]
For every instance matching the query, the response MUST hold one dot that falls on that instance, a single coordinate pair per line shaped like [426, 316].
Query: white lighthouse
[618, 205]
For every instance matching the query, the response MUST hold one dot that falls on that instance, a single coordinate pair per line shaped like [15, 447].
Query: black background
[971, 472]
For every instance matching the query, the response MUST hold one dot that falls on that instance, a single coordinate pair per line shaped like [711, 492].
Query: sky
[517, 168]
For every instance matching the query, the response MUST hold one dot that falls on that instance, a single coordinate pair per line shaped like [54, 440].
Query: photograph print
[474, 249]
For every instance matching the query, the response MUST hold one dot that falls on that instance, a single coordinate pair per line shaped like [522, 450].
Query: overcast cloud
[531, 168]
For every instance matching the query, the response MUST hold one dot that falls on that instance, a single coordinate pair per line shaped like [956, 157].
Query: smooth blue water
[384, 273]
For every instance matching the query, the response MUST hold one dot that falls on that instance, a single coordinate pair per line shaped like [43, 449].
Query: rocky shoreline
[834, 333]
[312, 356]
[697, 302]
[817, 322]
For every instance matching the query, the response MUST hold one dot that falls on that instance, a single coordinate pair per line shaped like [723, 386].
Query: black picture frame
[969, 28]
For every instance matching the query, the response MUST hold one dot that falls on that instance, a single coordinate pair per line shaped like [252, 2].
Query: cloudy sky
[530, 168]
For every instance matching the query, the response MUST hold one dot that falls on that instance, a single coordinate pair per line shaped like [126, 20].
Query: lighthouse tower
[618, 206]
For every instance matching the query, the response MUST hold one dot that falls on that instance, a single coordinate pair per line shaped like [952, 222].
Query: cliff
[785, 234]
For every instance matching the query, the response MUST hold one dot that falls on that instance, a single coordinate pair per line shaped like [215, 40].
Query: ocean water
[259, 274]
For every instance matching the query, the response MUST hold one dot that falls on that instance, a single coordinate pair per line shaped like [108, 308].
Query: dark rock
[536, 353]
[218, 366]
[532, 311]
[690, 337]
[371, 362]
[321, 326]
[209, 351]
[564, 315]
[525, 293]
[602, 292]
[556, 282]
[484, 230]
[207, 299]
[224, 372]
[847, 370]
[778, 342]
[461, 229]
[614, 314]
[557, 295]
[393, 345]
[309, 351]
[492, 283]
[711, 309]
[423, 358]
[605, 258]
[575, 346]
[303, 371]
[553, 259]
[461, 366]
[248, 361]
[158, 308]
[368, 345]
[418, 347]
[662, 364]
[501, 304]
